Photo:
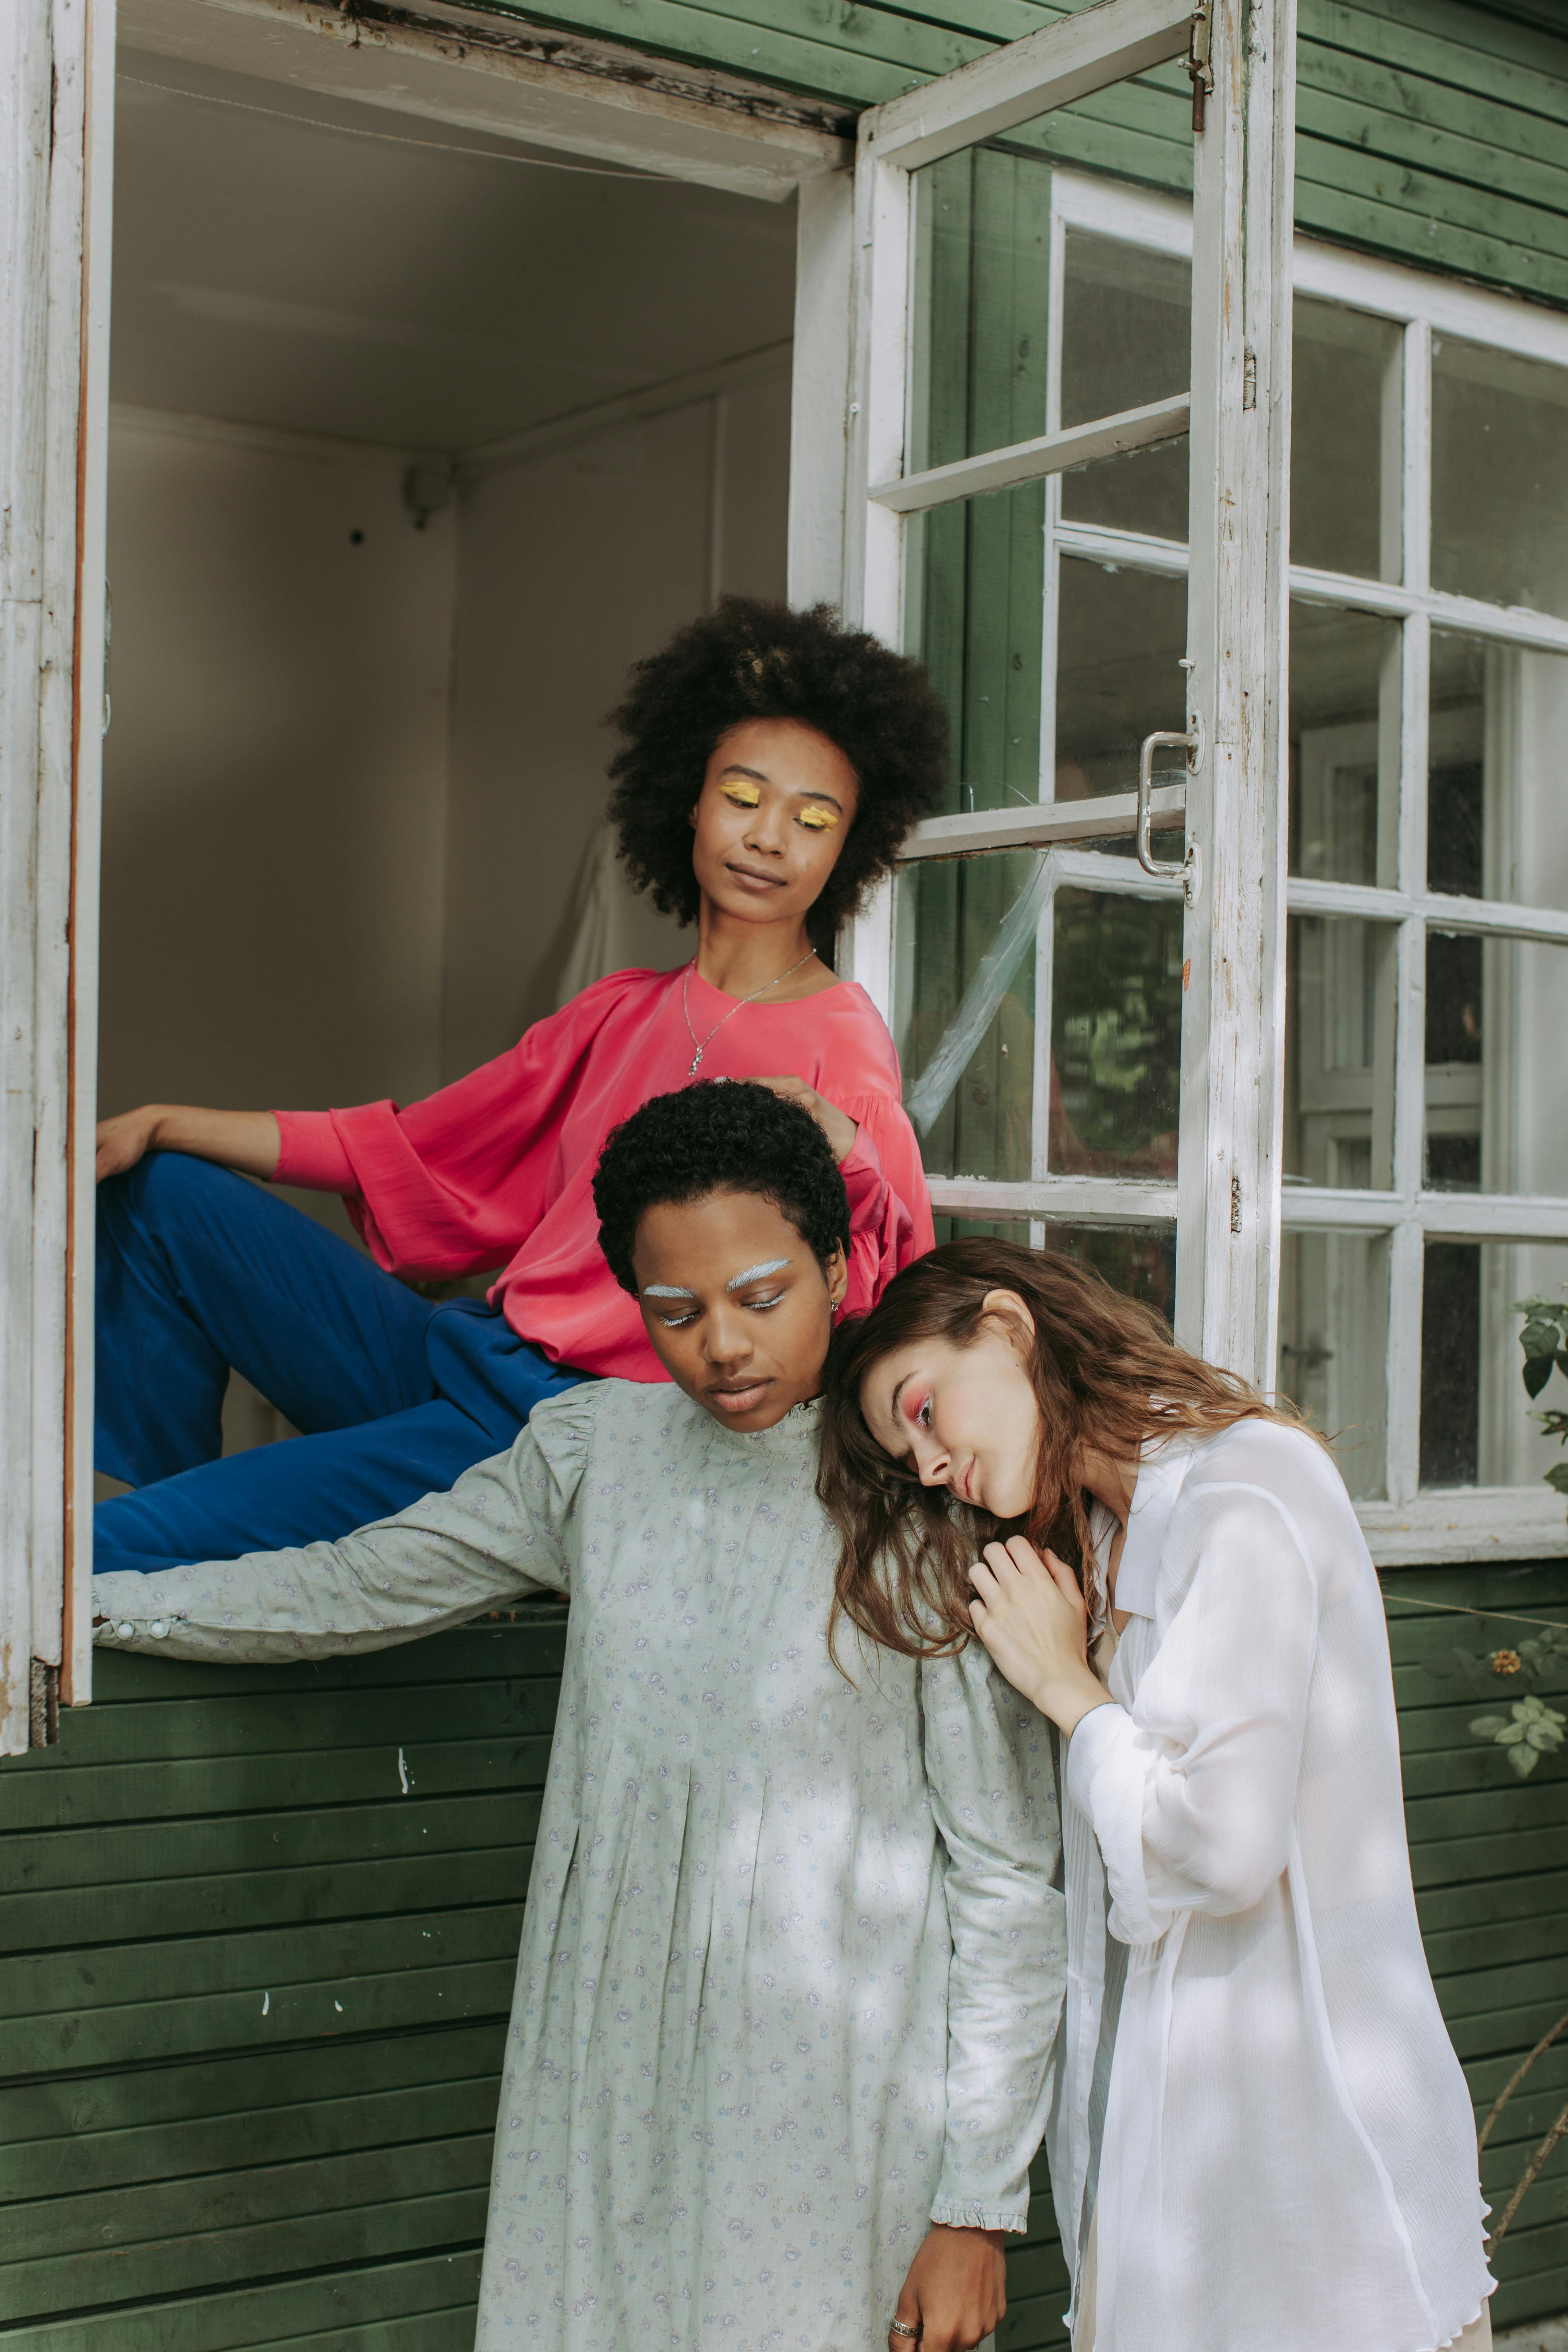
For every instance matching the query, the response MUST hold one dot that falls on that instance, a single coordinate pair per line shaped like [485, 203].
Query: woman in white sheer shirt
[1261, 2137]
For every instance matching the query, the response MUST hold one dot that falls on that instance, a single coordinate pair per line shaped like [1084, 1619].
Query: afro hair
[752, 660]
[721, 1135]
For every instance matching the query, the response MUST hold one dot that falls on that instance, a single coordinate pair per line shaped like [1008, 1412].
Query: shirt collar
[1162, 1468]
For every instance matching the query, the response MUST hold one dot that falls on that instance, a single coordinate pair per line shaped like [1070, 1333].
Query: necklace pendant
[691, 1073]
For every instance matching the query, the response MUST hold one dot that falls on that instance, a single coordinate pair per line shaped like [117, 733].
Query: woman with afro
[772, 764]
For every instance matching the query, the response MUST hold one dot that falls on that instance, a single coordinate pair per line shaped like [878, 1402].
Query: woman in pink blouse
[773, 764]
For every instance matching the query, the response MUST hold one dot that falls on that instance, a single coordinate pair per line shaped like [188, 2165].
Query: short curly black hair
[745, 660]
[721, 1135]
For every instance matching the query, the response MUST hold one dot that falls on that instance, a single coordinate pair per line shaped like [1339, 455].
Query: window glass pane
[1126, 342]
[964, 952]
[982, 269]
[1478, 1426]
[1345, 404]
[1500, 477]
[1339, 1052]
[1345, 746]
[1496, 1065]
[1138, 1259]
[1120, 637]
[979, 319]
[1116, 1034]
[1497, 815]
[1333, 1340]
[974, 611]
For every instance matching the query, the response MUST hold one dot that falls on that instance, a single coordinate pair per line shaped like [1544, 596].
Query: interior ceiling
[279, 272]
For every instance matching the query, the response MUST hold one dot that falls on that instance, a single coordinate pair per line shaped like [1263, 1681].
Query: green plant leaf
[1487, 1726]
[1512, 1734]
[1524, 1760]
[1558, 1476]
[1537, 1371]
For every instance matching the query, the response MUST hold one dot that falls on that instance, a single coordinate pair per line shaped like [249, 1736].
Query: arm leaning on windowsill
[503, 1533]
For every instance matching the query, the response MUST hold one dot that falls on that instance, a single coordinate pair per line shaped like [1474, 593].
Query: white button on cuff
[125, 1632]
[159, 1631]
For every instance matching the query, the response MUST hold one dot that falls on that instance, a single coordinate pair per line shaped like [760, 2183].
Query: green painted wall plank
[319, 1721]
[405, 2293]
[528, 1643]
[105, 2105]
[87, 2163]
[1490, 1902]
[140, 1792]
[1388, 113]
[41, 1864]
[424, 1883]
[1443, 40]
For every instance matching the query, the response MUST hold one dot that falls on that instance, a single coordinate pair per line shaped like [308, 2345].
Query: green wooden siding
[1434, 131]
[253, 1997]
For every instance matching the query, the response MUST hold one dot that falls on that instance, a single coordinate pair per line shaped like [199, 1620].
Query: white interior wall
[571, 565]
[274, 774]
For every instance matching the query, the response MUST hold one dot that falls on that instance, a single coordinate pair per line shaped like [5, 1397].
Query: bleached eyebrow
[666, 1290]
[755, 1273]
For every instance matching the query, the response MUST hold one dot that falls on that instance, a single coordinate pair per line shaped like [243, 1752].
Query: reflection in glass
[1339, 1052]
[1116, 1034]
[982, 269]
[1140, 1260]
[1333, 1341]
[1120, 637]
[1347, 393]
[1478, 1426]
[1496, 818]
[964, 1015]
[1345, 746]
[975, 616]
[1500, 477]
[1496, 1065]
[1126, 342]
[985, 1229]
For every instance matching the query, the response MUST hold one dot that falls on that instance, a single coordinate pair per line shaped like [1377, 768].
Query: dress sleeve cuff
[959, 2213]
[861, 1167]
[311, 1153]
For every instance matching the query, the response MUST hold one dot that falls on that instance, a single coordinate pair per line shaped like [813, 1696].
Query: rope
[396, 138]
[1457, 1608]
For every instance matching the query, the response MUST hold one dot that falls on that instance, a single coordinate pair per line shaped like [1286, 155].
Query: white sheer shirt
[1289, 2156]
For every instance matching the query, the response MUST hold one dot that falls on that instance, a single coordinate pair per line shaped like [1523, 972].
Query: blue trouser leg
[199, 1270]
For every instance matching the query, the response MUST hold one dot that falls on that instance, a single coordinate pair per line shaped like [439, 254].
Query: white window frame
[1413, 1525]
[1225, 1200]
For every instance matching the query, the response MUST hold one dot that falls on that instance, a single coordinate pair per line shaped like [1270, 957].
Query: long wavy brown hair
[1107, 1374]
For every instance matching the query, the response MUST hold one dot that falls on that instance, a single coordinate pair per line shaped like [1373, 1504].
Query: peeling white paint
[401, 1774]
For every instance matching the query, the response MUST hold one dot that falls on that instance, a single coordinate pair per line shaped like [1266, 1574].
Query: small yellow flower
[1506, 1662]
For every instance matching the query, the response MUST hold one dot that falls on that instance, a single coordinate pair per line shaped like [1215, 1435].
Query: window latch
[1186, 870]
[1200, 65]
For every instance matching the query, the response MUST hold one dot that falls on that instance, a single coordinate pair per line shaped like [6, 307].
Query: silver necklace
[702, 1043]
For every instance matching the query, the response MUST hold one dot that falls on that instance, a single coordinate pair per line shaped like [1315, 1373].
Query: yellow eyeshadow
[743, 795]
[816, 820]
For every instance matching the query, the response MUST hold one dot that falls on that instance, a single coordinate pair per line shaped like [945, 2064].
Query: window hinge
[1248, 377]
[1200, 65]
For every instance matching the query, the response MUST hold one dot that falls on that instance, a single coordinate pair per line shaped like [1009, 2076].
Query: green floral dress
[793, 1955]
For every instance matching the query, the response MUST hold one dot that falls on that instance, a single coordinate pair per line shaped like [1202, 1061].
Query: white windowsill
[1474, 1522]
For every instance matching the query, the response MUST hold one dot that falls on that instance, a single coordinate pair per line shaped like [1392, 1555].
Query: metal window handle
[1186, 870]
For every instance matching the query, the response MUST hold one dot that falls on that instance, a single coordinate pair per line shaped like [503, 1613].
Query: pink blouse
[498, 1169]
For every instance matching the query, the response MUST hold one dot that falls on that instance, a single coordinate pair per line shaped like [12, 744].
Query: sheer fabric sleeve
[1192, 1789]
[993, 1794]
[503, 1533]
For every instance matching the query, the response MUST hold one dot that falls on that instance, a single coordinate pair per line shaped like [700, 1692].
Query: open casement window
[57, 65]
[1068, 471]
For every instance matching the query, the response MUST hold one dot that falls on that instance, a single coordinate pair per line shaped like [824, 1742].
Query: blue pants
[199, 1270]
